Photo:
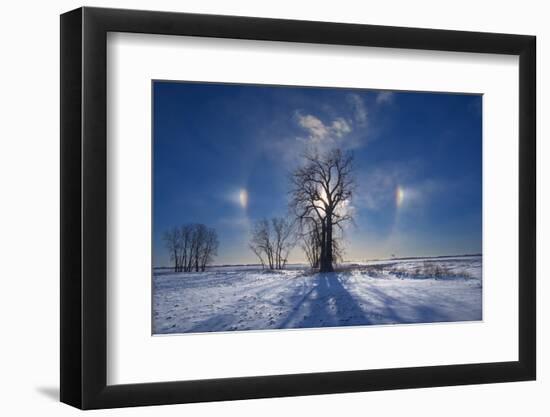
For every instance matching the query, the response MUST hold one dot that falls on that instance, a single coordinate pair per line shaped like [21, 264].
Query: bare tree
[200, 236]
[272, 241]
[191, 246]
[311, 241]
[283, 236]
[172, 241]
[186, 232]
[261, 243]
[338, 247]
[322, 190]
[258, 252]
[209, 248]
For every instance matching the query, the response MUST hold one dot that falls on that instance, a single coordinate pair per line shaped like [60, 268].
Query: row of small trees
[272, 240]
[191, 246]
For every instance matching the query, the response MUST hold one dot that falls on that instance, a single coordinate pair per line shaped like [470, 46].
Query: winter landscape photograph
[286, 207]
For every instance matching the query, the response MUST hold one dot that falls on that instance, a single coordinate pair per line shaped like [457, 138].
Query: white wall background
[29, 211]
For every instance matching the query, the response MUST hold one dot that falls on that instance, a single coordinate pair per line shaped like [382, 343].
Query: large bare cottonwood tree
[322, 189]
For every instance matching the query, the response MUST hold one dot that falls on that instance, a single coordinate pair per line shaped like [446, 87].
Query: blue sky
[223, 154]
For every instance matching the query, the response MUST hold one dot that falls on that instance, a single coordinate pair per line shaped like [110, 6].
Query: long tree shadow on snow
[326, 304]
[396, 310]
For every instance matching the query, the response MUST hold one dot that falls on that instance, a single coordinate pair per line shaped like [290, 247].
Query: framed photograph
[257, 208]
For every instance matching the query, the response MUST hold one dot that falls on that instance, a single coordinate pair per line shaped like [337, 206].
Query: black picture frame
[84, 207]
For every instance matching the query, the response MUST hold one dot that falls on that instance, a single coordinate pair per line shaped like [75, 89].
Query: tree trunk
[323, 254]
[326, 245]
[176, 262]
[328, 267]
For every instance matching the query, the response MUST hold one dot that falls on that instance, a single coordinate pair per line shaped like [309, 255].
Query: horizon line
[400, 258]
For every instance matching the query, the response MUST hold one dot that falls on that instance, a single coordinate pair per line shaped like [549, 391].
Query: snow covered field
[378, 292]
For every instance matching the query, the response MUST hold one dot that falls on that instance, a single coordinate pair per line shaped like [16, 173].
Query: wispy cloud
[417, 194]
[340, 127]
[319, 131]
[359, 109]
[344, 127]
[378, 186]
[337, 132]
[384, 97]
[399, 186]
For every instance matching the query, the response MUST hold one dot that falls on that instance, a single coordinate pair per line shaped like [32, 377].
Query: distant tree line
[191, 246]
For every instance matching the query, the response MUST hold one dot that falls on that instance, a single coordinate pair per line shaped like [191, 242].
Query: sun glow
[243, 198]
[323, 196]
[322, 201]
[399, 196]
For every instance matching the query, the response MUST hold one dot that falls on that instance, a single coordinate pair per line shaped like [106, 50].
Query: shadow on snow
[326, 304]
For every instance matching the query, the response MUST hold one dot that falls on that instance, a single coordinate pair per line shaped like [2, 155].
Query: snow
[371, 293]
